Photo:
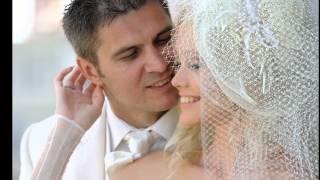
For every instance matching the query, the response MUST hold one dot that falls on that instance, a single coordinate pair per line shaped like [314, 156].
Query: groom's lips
[160, 83]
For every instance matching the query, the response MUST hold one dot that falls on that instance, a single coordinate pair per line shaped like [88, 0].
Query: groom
[119, 48]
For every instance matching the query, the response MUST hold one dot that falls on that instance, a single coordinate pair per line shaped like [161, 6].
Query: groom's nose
[154, 61]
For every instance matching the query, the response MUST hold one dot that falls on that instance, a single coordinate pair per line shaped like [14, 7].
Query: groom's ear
[89, 71]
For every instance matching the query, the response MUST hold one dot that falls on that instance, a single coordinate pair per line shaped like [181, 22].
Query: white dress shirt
[164, 127]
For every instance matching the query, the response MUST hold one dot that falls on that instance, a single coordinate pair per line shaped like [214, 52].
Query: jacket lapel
[87, 160]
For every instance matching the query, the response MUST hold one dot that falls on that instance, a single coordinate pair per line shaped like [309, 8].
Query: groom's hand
[81, 106]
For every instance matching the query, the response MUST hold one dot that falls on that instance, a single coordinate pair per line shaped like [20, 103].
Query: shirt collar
[166, 125]
[119, 128]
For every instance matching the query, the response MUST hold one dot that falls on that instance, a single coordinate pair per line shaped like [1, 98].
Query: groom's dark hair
[83, 18]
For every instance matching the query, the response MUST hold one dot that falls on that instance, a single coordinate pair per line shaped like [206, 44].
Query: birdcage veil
[259, 86]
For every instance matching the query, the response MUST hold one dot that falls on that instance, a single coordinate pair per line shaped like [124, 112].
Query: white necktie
[139, 143]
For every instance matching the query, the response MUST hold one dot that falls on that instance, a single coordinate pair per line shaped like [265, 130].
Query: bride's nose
[181, 78]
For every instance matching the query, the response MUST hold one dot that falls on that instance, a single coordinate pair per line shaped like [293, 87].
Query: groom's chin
[164, 103]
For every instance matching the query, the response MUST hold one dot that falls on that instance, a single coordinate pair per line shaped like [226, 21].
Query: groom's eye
[163, 38]
[131, 54]
[163, 41]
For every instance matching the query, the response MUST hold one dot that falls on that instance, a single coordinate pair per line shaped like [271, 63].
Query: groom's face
[132, 69]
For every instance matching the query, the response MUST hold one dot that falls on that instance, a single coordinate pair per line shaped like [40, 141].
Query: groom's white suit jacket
[87, 160]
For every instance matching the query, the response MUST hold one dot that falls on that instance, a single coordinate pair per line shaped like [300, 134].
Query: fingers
[70, 79]
[80, 82]
[59, 78]
[90, 89]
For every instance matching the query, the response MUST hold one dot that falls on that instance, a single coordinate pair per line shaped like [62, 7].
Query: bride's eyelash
[194, 66]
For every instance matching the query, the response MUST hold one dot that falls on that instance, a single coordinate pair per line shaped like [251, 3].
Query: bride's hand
[82, 107]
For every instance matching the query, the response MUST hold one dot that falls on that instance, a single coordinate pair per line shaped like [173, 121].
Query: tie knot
[139, 141]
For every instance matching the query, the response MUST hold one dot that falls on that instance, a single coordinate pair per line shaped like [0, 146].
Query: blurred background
[40, 50]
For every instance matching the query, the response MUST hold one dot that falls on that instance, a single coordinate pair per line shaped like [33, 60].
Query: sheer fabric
[63, 139]
[259, 85]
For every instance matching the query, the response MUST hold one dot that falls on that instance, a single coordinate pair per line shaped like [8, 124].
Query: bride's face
[186, 79]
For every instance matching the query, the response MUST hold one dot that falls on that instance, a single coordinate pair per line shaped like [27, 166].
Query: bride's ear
[89, 71]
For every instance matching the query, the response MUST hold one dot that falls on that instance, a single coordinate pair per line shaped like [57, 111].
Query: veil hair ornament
[259, 86]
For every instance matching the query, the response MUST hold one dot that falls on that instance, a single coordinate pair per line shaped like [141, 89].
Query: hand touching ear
[83, 106]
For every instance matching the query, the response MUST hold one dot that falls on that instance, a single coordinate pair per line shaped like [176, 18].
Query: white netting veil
[259, 85]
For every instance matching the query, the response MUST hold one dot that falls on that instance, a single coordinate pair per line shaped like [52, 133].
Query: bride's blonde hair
[187, 146]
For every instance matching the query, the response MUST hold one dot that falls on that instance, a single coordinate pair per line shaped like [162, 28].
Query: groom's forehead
[151, 9]
[123, 8]
[135, 28]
